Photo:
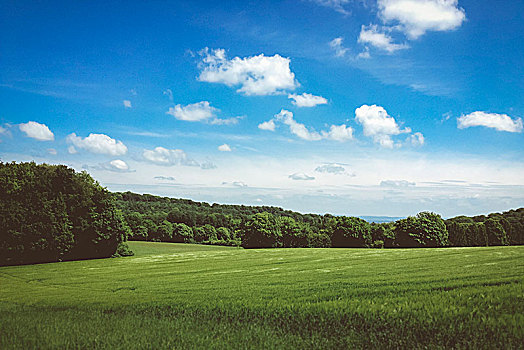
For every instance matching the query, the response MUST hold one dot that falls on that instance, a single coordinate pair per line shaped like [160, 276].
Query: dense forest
[166, 219]
[52, 213]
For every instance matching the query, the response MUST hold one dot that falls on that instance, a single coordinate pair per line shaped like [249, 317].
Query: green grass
[193, 296]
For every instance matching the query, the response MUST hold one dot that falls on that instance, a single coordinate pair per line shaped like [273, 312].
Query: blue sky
[384, 107]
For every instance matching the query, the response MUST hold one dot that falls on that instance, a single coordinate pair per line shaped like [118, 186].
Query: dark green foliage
[123, 250]
[51, 213]
[426, 229]
[349, 232]
[262, 231]
[494, 229]
[225, 225]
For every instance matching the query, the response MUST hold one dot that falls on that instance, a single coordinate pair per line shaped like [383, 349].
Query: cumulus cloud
[331, 168]
[168, 157]
[417, 139]
[301, 176]
[224, 148]
[117, 166]
[296, 128]
[97, 143]
[500, 122]
[164, 178]
[255, 75]
[336, 132]
[339, 133]
[416, 17]
[396, 183]
[37, 131]
[373, 36]
[195, 112]
[127, 104]
[337, 46]
[307, 100]
[378, 124]
[72, 150]
[269, 125]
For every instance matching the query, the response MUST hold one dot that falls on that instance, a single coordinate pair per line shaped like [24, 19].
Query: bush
[123, 250]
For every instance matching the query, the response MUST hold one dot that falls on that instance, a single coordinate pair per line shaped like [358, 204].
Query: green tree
[261, 231]
[350, 232]
[426, 229]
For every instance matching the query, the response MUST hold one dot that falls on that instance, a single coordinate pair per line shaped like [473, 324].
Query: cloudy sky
[356, 107]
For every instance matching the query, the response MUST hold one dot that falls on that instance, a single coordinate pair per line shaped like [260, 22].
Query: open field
[193, 296]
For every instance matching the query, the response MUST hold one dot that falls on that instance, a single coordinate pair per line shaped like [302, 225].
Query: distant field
[193, 296]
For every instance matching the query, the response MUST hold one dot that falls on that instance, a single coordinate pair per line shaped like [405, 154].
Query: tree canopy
[52, 213]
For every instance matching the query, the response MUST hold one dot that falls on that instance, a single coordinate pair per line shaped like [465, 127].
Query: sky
[349, 107]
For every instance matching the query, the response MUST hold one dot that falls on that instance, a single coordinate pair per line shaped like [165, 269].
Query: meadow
[194, 296]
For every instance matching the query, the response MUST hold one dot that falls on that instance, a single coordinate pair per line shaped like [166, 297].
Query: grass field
[193, 296]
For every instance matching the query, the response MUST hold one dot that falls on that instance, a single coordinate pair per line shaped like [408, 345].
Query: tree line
[52, 213]
[167, 219]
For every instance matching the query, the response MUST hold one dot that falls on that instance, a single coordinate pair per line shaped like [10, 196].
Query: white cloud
[364, 54]
[226, 121]
[396, 183]
[256, 75]
[127, 104]
[3, 130]
[301, 176]
[52, 151]
[195, 112]
[116, 166]
[371, 35]
[307, 100]
[224, 148]
[331, 168]
[72, 150]
[337, 46]
[168, 157]
[336, 132]
[169, 94]
[378, 124]
[337, 5]
[235, 184]
[37, 131]
[416, 17]
[97, 143]
[500, 122]
[339, 133]
[269, 125]
[417, 139]
[296, 128]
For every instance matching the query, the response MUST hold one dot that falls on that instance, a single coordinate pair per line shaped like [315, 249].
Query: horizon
[361, 108]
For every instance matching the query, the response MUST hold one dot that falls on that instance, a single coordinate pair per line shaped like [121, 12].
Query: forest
[153, 218]
[52, 213]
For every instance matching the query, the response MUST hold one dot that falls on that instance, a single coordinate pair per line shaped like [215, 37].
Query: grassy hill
[195, 296]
